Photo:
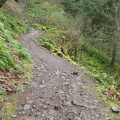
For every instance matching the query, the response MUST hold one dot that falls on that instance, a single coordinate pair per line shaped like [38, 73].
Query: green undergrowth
[96, 63]
[14, 60]
[51, 40]
[38, 8]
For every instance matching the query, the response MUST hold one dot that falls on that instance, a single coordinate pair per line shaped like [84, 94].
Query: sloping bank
[14, 62]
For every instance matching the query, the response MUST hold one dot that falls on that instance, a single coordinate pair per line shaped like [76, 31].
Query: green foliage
[9, 47]
[56, 35]
[2, 2]
[99, 56]
[10, 50]
[13, 57]
[38, 8]
[47, 41]
[72, 6]
[17, 27]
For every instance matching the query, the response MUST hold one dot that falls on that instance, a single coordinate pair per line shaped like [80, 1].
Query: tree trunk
[75, 53]
[113, 57]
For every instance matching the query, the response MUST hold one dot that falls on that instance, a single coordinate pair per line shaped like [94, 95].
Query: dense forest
[100, 28]
[84, 32]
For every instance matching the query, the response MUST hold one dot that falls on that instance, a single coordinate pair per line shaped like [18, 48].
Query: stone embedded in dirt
[105, 93]
[115, 109]
[26, 83]
[13, 116]
[77, 118]
[96, 101]
[2, 81]
[41, 86]
[108, 118]
[76, 103]
[93, 107]
[66, 83]
[22, 113]
[75, 73]
[26, 107]
[97, 115]
[57, 107]
[29, 102]
[57, 72]
[34, 106]
[22, 90]
[68, 103]
[9, 90]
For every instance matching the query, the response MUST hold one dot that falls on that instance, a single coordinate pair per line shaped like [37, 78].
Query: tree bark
[113, 57]
[75, 53]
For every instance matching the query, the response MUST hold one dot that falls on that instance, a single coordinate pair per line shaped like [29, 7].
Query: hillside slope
[14, 60]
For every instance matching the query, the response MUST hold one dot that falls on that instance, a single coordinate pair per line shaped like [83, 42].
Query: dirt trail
[58, 90]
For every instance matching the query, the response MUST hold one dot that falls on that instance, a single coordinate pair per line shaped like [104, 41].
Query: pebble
[9, 90]
[26, 83]
[26, 107]
[22, 113]
[92, 107]
[22, 90]
[13, 116]
[29, 102]
[41, 86]
[115, 109]
[77, 118]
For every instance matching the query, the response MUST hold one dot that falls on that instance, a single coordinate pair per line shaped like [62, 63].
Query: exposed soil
[58, 90]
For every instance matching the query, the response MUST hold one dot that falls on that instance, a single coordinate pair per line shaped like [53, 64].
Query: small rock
[77, 118]
[2, 81]
[26, 83]
[34, 106]
[97, 115]
[26, 107]
[115, 109]
[13, 116]
[75, 112]
[96, 101]
[9, 90]
[22, 113]
[29, 102]
[105, 93]
[76, 103]
[92, 107]
[75, 73]
[68, 103]
[57, 107]
[41, 86]
[108, 118]
[22, 90]
[57, 72]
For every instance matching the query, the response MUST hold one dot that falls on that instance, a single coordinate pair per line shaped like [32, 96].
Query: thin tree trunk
[75, 55]
[113, 57]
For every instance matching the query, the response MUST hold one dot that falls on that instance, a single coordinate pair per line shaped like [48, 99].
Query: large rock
[15, 9]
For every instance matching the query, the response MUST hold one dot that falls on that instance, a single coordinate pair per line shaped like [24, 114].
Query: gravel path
[58, 90]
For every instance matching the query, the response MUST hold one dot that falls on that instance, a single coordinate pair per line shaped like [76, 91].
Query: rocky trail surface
[58, 90]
